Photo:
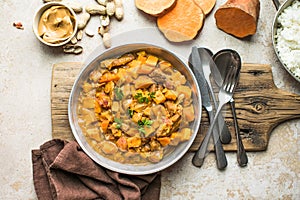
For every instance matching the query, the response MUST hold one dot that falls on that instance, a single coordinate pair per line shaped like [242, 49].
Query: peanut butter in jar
[56, 24]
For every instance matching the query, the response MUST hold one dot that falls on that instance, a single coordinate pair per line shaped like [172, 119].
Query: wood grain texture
[260, 106]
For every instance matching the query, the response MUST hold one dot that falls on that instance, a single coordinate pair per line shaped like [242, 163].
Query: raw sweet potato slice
[238, 17]
[155, 7]
[206, 5]
[183, 22]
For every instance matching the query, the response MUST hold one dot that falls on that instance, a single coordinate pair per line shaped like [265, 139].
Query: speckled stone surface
[25, 118]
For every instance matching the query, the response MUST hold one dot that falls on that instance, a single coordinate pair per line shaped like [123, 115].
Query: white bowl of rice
[286, 36]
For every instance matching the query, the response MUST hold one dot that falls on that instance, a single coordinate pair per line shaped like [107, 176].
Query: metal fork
[225, 94]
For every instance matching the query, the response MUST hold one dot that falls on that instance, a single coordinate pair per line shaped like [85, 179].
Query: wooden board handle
[260, 107]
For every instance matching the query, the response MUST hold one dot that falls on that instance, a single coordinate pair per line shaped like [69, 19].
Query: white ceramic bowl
[133, 169]
[39, 13]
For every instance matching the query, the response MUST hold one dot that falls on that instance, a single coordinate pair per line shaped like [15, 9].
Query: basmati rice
[288, 37]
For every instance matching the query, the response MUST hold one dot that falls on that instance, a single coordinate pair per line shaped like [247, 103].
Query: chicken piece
[145, 69]
[106, 63]
[126, 103]
[108, 147]
[158, 76]
[131, 74]
[121, 61]
[163, 130]
[182, 89]
[155, 156]
[154, 145]
[125, 127]
[88, 116]
[188, 113]
[155, 124]
[177, 76]
[149, 130]
[157, 112]
[166, 67]
[88, 102]
[175, 118]
[171, 106]
[126, 89]
[132, 132]
[115, 107]
[87, 87]
[185, 134]
[95, 76]
[143, 82]
[93, 133]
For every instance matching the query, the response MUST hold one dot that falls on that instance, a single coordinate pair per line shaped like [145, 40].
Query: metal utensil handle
[201, 153]
[219, 151]
[241, 153]
[224, 132]
[276, 4]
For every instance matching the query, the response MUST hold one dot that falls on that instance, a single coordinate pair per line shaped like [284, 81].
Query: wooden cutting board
[260, 106]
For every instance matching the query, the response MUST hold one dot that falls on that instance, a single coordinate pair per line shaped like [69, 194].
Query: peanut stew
[135, 108]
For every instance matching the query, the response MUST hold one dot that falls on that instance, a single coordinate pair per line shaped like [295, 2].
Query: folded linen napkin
[61, 170]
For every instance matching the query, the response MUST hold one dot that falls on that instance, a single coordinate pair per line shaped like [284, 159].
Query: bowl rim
[38, 14]
[281, 8]
[132, 169]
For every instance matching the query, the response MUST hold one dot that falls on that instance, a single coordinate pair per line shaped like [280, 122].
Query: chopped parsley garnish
[143, 99]
[130, 112]
[152, 95]
[118, 93]
[145, 122]
[142, 123]
[119, 123]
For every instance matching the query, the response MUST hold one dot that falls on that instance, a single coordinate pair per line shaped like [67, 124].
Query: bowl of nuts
[55, 24]
[135, 108]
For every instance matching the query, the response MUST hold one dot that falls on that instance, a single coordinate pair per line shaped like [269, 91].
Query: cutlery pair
[221, 61]
[201, 63]
[196, 66]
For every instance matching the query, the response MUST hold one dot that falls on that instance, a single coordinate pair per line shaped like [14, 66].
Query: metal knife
[207, 64]
[198, 159]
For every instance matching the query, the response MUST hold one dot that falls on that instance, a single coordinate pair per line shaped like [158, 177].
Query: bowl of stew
[135, 108]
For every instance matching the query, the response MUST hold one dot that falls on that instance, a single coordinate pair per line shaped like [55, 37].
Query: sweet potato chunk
[183, 22]
[154, 7]
[238, 17]
[206, 5]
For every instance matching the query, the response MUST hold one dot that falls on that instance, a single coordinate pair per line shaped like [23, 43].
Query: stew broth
[135, 108]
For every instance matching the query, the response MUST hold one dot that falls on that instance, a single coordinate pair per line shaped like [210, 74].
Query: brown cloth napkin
[61, 170]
